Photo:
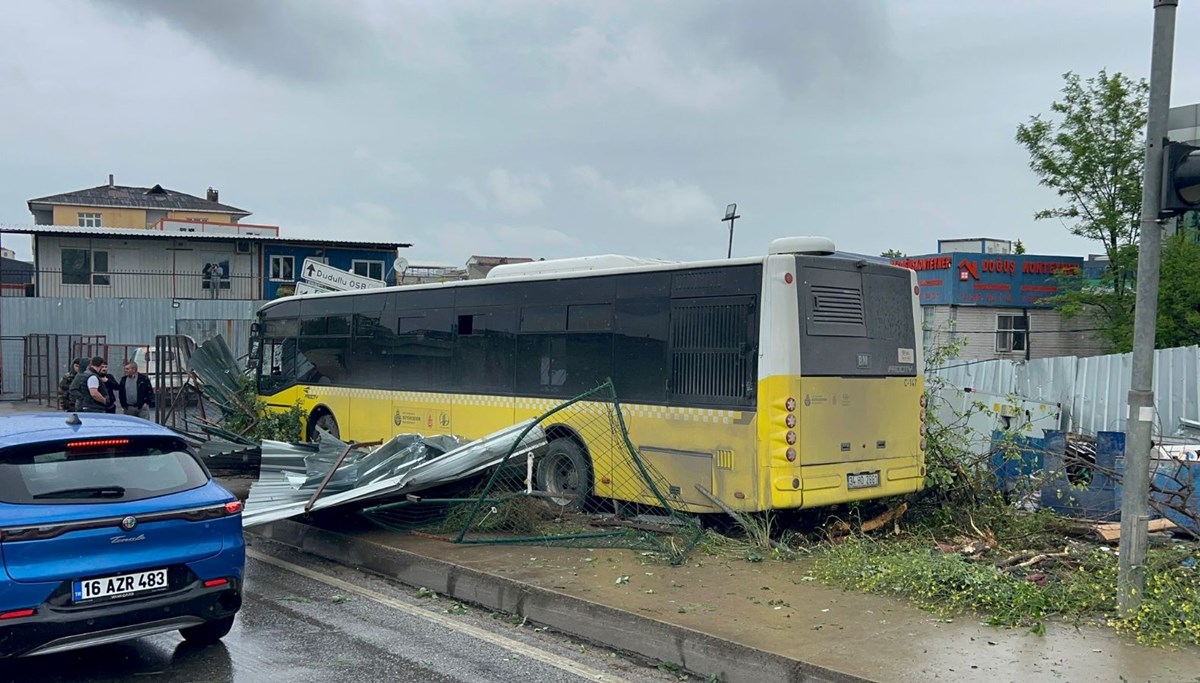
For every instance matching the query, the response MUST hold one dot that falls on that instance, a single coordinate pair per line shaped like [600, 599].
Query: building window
[85, 267]
[283, 268]
[215, 275]
[371, 269]
[89, 220]
[1012, 332]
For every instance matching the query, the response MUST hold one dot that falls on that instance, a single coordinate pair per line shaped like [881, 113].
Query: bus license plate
[864, 480]
[121, 585]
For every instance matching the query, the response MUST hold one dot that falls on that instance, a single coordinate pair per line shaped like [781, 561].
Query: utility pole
[1135, 496]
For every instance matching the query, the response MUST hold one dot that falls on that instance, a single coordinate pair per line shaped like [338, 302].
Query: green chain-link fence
[589, 487]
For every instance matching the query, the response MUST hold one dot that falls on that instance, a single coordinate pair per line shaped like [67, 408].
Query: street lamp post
[1131, 573]
[731, 216]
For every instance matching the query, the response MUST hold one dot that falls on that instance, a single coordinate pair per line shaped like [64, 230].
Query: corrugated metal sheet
[122, 321]
[1092, 390]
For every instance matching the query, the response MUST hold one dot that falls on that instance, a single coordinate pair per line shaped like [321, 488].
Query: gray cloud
[296, 41]
[556, 128]
[799, 44]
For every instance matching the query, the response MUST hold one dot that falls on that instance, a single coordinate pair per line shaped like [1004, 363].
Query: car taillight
[213, 583]
[233, 508]
[18, 614]
[98, 443]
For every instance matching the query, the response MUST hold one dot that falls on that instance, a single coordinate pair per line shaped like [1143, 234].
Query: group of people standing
[89, 388]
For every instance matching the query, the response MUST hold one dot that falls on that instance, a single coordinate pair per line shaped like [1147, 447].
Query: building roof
[496, 260]
[124, 197]
[14, 272]
[73, 231]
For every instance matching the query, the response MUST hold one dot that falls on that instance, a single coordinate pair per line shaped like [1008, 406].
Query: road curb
[693, 650]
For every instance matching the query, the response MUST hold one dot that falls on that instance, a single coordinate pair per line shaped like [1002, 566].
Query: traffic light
[1180, 180]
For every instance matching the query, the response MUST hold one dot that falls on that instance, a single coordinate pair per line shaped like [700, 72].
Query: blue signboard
[997, 280]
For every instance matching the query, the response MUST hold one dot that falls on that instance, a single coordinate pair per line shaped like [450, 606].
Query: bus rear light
[739, 495]
[924, 401]
[924, 443]
[787, 277]
[916, 289]
[924, 429]
[924, 414]
[791, 455]
[791, 438]
[790, 420]
[790, 404]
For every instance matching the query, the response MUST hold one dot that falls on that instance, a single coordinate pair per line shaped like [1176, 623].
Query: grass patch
[1081, 590]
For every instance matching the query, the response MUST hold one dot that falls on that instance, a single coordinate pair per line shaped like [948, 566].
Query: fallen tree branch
[883, 520]
[1038, 559]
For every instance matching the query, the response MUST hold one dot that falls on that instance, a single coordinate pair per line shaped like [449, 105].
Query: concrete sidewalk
[19, 407]
[744, 622]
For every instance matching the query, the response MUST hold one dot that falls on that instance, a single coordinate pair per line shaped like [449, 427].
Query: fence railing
[1093, 391]
[139, 284]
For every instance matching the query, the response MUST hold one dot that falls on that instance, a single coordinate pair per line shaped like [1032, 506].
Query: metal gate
[12, 368]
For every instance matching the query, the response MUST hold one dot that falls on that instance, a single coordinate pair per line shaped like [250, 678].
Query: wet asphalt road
[295, 627]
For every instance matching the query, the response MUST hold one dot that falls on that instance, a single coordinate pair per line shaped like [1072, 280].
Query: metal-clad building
[999, 303]
[173, 262]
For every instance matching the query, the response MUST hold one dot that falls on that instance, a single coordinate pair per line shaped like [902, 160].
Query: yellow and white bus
[793, 380]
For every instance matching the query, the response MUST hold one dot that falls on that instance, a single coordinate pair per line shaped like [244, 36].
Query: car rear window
[98, 471]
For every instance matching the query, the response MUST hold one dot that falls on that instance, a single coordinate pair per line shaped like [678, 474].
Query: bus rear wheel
[322, 419]
[565, 474]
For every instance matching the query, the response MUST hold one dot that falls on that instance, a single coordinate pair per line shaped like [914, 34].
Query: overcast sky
[549, 128]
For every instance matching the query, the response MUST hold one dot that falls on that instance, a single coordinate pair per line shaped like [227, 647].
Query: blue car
[110, 529]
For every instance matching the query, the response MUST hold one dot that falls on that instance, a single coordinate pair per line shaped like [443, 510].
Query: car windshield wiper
[85, 492]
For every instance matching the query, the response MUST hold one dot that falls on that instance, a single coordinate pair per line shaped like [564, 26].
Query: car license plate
[864, 480]
[120, 586]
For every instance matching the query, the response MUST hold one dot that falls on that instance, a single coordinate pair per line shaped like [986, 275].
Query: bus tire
[321, 417]
[564, 470]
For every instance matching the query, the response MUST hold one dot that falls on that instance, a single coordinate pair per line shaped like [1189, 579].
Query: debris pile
[299, 478]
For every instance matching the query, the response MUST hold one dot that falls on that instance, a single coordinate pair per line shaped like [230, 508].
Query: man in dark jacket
[136, 392]
[89, 389]
[113, 388]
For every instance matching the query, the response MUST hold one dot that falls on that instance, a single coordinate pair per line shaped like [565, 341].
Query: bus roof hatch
[815, 246]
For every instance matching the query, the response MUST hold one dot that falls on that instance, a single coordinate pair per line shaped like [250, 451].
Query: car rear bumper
[54, 629]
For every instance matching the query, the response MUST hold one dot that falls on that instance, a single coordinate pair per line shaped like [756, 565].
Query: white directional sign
[329, 277]
[309, 288]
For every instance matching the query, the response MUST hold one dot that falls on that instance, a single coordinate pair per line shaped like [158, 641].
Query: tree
[1019, 247]
[1092, 155]
[893, 253]
[1090, 152]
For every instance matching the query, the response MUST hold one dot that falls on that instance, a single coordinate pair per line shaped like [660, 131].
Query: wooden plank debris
[1111, 531]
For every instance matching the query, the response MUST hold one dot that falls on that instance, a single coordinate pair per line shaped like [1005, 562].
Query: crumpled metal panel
[406, 464]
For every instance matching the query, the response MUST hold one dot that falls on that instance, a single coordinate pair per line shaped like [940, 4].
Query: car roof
[33, 428]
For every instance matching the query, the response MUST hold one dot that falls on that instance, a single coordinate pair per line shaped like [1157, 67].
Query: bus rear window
[105, 470]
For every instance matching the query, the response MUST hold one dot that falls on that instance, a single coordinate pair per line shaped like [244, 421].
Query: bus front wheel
[322, 419]
[565, 474]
